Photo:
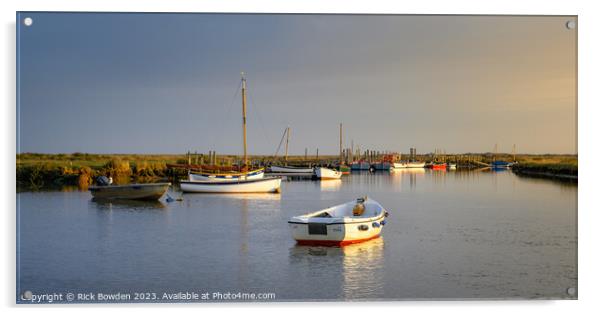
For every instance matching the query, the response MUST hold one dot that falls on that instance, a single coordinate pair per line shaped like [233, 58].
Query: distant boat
[291, 169]
[208, 176]
[344, 169]
[360, 165]
[383, 165]
[416, 164]
[451, 166]
[265, 185]
[499, 164]
[400, 165]
[439, 166]
[326, 173]
[243, 184]
[139, 191]
[348, 223]
[285, 168]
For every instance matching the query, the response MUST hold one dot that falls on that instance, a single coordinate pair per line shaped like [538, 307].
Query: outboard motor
[102, 181]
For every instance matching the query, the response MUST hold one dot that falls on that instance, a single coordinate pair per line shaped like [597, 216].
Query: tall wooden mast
[288, 130]
[244, 119]
[341, 143]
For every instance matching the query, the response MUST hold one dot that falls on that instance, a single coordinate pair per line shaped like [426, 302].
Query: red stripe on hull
[333, 243]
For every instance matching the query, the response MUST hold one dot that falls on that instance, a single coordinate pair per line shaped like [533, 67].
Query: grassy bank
[37, 171]
[565, 167]
[44, 171]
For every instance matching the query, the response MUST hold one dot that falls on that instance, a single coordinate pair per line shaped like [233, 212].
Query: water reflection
[330, 185]
[412, 174]
[243, 196]
[459, 234]
[126, 205]
[361, 265]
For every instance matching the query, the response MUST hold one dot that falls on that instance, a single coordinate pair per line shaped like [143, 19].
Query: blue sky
[166, 83]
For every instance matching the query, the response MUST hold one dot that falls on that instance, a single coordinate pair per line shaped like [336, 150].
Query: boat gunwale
[340, 220]
[292, 167]
[118, 186]
[353, 221]
[245, 181]
[248, 173]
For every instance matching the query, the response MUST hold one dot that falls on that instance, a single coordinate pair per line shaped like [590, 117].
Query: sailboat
[286, 168]
[245, 182]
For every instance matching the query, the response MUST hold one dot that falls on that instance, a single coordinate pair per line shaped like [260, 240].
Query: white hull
[265, 185]
[285, 169]
[252, 175]
[416, 164]
[452, 166]
[341, 227]
[325, 173]
[399, 165]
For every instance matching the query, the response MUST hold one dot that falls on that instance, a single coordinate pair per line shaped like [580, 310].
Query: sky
[169, 83]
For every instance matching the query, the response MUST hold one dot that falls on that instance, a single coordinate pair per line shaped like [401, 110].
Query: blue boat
[499, 164]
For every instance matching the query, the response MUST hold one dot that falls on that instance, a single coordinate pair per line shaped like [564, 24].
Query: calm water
[449, 235]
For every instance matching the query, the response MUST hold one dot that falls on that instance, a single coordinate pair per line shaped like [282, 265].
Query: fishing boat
[344, 169]
[360, 165]
[243, 184]
[265, 185]
[416, 164]
[209, 176]
[348, 223]
[327, 173]
[439, 166]
[139, 191]
[291, 169]
[400, 165]
[383, 165]
[451, 166]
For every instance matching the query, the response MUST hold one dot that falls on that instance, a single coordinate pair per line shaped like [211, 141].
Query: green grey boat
[139, 191]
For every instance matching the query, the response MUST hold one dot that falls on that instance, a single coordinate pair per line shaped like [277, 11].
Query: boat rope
[280, 144]
[256, 108]
[229, 109]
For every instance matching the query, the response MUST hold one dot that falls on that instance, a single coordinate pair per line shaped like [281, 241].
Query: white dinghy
[348, 223]
[326, 173]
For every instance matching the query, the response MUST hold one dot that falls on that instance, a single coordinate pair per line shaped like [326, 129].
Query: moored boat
[243, 184]
[138, 191]
[451, 166]
[264, 185]
[383, 165]
[208, 176]
[399, 165]
[439, 166]
[344, 169]
[500, 164]
[347, 223]
[416, 164]
[360, 165]
[326, 173]
[291, 169]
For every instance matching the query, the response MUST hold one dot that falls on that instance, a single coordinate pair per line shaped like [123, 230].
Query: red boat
[440, 166]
